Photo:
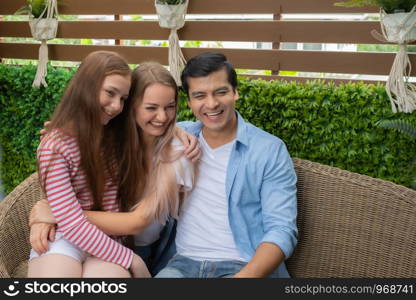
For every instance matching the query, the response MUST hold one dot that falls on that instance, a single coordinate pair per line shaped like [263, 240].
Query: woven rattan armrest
[14, 229]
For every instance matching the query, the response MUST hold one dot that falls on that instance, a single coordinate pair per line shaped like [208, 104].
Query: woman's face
[157, 110]
[113, 93]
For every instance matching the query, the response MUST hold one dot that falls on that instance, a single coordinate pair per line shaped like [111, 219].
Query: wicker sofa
[350, 225]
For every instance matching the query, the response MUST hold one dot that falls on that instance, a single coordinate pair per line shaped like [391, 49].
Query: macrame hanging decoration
[44, 28]
[172, 16]
[399, 28]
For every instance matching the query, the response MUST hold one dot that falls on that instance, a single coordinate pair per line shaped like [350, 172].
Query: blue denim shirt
[261, 191]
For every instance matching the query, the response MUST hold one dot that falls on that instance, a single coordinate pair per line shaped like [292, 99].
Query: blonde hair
[161, 179]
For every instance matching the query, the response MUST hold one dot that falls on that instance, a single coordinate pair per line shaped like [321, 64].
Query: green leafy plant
[389, 6]
[34, 8]
[402, 126]
[406, 128]
[22, 113]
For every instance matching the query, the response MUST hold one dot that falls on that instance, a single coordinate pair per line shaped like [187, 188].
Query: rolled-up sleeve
[278, 199]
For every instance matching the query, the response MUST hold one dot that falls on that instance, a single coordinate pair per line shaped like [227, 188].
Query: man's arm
[266, 259]
[279, 211]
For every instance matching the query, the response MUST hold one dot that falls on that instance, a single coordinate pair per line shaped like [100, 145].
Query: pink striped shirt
[68, 194]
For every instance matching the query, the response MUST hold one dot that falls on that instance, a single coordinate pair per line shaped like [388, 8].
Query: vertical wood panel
[276, 44]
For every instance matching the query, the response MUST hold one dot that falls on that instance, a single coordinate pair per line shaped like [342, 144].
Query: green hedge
[23, 110]
[334, 125]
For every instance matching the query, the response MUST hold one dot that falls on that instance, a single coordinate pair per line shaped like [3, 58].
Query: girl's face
[157, 110]
[113, 93]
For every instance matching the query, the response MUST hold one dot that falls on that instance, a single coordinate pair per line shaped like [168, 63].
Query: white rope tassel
[42, 70]
[173, 17]
[176, 60]
[44, 29]
[401, 92]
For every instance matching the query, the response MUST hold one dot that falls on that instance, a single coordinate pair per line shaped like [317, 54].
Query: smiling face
[113, 93]
[212, 100]
[156, 110]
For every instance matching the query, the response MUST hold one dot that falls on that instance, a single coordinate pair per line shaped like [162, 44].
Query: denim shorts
[182, 267]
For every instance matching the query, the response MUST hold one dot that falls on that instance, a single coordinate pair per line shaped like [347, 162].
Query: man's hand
[190, 142]
[45, 129]
[265, 260]
[41, 213]
[138, 268]
[40, 233]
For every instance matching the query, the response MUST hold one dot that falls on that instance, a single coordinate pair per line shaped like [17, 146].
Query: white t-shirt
[203, 231]
[152, 232]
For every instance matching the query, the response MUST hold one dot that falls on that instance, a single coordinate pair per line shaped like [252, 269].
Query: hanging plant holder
[399, 28]
[44, 28]
[172, 16]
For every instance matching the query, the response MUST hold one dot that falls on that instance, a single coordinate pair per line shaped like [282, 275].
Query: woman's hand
[41, 213]
[40, 233]
[138, 268]
[45, 129]
[190, 142]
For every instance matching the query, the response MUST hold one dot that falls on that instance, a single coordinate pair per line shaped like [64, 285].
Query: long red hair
[79, 114]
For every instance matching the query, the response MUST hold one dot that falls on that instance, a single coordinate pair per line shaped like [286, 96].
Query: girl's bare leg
[54, 265]
[96, 268]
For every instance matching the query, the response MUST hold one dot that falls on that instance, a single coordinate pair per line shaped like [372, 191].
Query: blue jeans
[157, 255]
[182, 267]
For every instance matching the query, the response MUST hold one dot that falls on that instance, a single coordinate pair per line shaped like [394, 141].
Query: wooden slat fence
[275, 31]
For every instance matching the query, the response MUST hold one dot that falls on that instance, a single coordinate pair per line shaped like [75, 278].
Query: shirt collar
[242, 128]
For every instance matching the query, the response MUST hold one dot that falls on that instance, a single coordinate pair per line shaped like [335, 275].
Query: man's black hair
[204, 64]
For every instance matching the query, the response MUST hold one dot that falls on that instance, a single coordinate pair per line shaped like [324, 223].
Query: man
[240, 219]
